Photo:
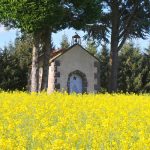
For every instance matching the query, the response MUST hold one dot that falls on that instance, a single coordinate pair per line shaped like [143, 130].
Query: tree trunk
[114, 48]
[35, 68]
[46, 53]
[113, 69]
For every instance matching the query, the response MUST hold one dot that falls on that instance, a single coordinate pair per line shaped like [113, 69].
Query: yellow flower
[68, 122]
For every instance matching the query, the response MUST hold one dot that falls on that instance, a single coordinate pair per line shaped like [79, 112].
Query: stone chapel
[72, 70]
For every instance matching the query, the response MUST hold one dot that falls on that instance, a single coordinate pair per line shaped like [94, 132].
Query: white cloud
[2, 29]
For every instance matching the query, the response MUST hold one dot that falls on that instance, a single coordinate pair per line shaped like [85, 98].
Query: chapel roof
[56, 53]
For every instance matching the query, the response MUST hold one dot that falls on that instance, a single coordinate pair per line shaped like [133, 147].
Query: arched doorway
[77, 82]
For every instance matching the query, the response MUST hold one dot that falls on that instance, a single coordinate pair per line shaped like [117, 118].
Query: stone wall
[51, 78]
[77, 59]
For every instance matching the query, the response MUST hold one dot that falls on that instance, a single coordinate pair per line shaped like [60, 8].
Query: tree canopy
[36, 17]
[119, 21]
[32, 16]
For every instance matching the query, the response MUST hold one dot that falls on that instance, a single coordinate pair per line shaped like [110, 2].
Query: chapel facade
[73, 70]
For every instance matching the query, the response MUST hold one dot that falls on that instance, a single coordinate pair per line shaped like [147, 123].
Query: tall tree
[15, 59]
[104, 67]
[120, 20]
[146, 70]
[64, 43]
[130, 70]
[38, 18]
[91, 47]
[23, 49]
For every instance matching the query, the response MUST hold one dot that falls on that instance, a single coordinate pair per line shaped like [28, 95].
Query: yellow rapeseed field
[69, 122]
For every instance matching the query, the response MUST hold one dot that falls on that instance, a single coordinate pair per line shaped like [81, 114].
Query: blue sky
[9, 36]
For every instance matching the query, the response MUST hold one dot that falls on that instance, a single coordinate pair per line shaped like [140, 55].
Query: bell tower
[76, 39]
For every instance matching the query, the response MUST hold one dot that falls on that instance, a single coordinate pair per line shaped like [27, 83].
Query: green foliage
[134, 69]
[82, 12]
[130, 18]
[119, 21]
[130, 77]
[91, 47]
[36, 17]
[146, 70]
[104, 67]
[15, 60]
[32, 16]
[64, 43]
[23, 49]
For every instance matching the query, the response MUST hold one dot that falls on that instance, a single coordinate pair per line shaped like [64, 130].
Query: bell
[75, 40]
